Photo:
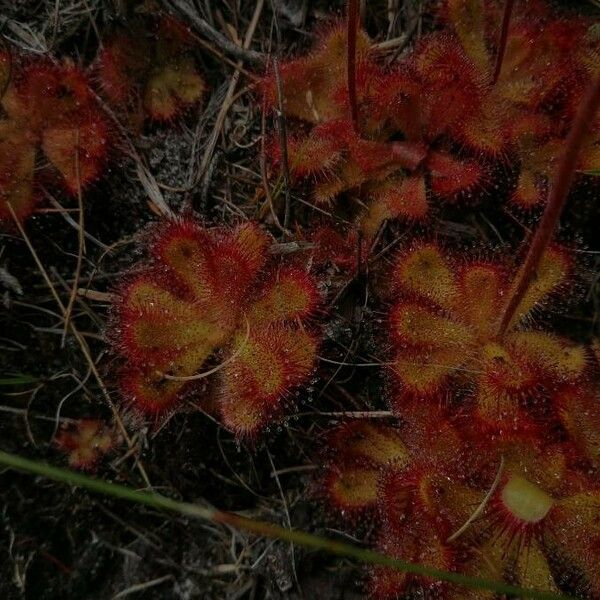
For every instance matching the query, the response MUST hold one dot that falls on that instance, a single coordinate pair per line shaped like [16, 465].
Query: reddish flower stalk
[352, 27]
[503, 37]
[556, 201]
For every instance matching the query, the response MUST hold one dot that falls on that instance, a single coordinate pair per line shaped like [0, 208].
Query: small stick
[263, 169]
[230, 97]
[482, 506]
[503, 37]
[80, 340]
[352, 29]
[241, 53]
[281, 127]
[81, 245]
[96, 295]
[556, 201]
[215, 369]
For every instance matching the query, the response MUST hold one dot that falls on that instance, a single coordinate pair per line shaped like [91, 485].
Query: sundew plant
[322, 276]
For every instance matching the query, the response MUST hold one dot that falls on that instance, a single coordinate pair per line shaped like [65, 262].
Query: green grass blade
[18, 380]
[262, 528]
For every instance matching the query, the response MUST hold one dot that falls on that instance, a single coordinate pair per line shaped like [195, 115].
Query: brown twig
[282, 130]
[81, 244]
[263, 170]
[80, 340]
[185, 8]
[503, 37]
[230, 96]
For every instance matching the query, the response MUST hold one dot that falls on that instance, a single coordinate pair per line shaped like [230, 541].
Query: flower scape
[308, 272]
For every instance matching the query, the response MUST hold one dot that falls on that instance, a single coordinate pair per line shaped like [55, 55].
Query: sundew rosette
[444, 343]
[214, 303]
[506, 508]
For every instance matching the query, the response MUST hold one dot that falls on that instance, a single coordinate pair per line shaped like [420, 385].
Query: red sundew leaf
[534, 567]
[86, 442]
[529, 125]
[77, 153]
[217, 269]
[574, 538]
[119, 64]
[552, 275]
[450, 176]
[397, 103]
[426, 271]
[368, 443]
[538, 161]
[46, 95]
[177, 86]
[17, 163]
[339, 248]
[148, 392]
[238, 258]
[578, 409]
[264, 368]
[415, 325]
[72, 98]
[483, 131]
[359, 451]
[468, 20]
[185, 249]
[550, 353]
[480, 288]
[451, 81]
[313, 155]
[23, 100]
[422, 373]
[532, 44]
[404, 198]
[411, 499]
[530, 191]
[158, 328]
[151, 67]
[317, 153]
[417, 543]
[589, 155]
[51, 108]
[289, 294]
[351, 489]
[312, 84]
